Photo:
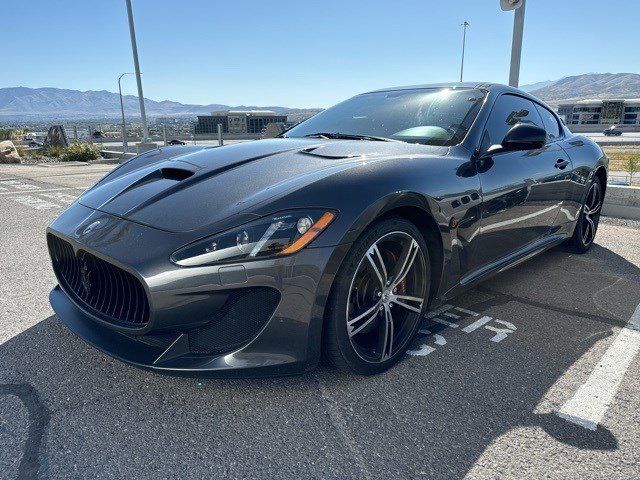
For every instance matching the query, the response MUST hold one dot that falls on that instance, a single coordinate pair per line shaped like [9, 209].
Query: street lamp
[136, 65]
[516, 42]
[464, 41]
[124, 125]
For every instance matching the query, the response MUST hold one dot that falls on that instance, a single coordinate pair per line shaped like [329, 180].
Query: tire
[363, 311]
[587, 224]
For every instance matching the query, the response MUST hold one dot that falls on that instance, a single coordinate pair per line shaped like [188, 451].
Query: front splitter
[241, 363]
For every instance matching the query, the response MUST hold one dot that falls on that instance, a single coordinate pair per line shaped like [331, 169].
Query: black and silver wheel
[587, 225]
[378, 298]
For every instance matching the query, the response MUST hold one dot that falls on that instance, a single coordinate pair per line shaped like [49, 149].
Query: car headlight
[281, 234]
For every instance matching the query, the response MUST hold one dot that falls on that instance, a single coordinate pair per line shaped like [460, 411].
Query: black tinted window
[508, 111]
[550, 123]
[426, 115]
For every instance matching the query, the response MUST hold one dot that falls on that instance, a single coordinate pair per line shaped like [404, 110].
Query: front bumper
[183, 301]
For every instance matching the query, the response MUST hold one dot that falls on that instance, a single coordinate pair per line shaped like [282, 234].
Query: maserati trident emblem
[85, 276]
[91, 227]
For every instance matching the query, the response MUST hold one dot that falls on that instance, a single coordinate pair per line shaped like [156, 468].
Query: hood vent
[177, 174]
[317, 151]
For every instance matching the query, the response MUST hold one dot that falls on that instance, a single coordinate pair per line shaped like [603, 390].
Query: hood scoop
[124, 194]
[176, 174]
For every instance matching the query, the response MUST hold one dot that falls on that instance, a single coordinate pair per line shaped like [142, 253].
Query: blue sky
[305, 53]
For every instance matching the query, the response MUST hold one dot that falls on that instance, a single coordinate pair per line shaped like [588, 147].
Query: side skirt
[505, 263]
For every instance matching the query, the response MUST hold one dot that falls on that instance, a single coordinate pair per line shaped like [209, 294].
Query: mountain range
[63, 103]
[535, 86]
[23, 102]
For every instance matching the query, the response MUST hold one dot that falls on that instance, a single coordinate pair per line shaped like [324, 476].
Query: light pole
[136, 65]
[516, 42]
[464, 41]
[124, 125]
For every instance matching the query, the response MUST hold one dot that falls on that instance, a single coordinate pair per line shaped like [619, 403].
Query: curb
[622, 202]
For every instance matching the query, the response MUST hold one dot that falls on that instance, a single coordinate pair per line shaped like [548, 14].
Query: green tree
[632, 166]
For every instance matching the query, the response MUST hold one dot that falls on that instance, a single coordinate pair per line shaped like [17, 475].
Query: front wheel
[587, 225]
[378, 298]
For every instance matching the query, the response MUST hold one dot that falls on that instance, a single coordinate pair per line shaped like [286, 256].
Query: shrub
[35, 154]
[80, 152]
[5, 134]
[54, 152]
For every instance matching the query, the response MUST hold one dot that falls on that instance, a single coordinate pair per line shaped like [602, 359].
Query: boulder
[8, 152]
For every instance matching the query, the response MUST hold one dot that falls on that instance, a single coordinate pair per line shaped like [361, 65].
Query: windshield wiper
[350, 136]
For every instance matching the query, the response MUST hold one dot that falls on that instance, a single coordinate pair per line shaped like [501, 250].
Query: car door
[522, 192]
[562, 186]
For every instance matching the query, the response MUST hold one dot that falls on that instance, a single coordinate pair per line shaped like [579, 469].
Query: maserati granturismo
[331, 241]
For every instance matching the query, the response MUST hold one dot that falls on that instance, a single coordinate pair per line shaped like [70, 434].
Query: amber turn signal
[322, 223]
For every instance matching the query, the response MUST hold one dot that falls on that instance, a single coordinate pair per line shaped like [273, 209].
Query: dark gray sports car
[331, 240]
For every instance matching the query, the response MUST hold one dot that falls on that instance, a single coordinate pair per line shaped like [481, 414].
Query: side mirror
[522, 136]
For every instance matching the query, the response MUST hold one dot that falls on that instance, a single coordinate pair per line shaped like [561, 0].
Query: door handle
[562, 164]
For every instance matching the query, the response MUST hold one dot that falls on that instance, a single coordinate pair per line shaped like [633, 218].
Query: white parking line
[18, 185]
[60, 196]
[589, 404]
[34, 202]
[39, 191]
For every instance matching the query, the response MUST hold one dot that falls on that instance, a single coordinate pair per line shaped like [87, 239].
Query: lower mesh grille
[239, 320]
[159, 340]
[107, 291]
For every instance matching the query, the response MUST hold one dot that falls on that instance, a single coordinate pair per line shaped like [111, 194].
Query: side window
[550, 123]
[508, 111]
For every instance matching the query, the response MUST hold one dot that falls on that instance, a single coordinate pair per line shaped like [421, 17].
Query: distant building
[238, 122]
[601, 112]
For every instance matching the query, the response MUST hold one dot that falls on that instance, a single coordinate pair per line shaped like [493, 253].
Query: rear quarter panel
[586, 158]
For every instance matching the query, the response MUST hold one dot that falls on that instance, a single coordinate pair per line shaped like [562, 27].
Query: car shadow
[90, 415]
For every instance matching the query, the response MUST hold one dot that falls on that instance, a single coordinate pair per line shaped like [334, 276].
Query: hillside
[536, 86]
[591, 85]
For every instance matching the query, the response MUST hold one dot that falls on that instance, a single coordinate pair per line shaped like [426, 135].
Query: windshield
[423, 115]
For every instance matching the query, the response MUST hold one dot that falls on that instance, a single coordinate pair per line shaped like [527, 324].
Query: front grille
[100, 287]
[239, 320]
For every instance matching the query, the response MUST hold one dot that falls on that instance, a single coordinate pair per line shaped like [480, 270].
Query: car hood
[180, 189]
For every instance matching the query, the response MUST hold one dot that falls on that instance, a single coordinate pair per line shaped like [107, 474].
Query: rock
[56, 137]
[8, 152]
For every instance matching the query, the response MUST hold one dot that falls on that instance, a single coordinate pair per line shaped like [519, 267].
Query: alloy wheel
[386, 296]
[591, 211]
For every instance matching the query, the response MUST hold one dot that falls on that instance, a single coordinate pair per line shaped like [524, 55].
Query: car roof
[483, 85]
[497, 88]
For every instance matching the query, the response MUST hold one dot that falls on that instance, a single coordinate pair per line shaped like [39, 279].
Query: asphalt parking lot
[534, 374]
